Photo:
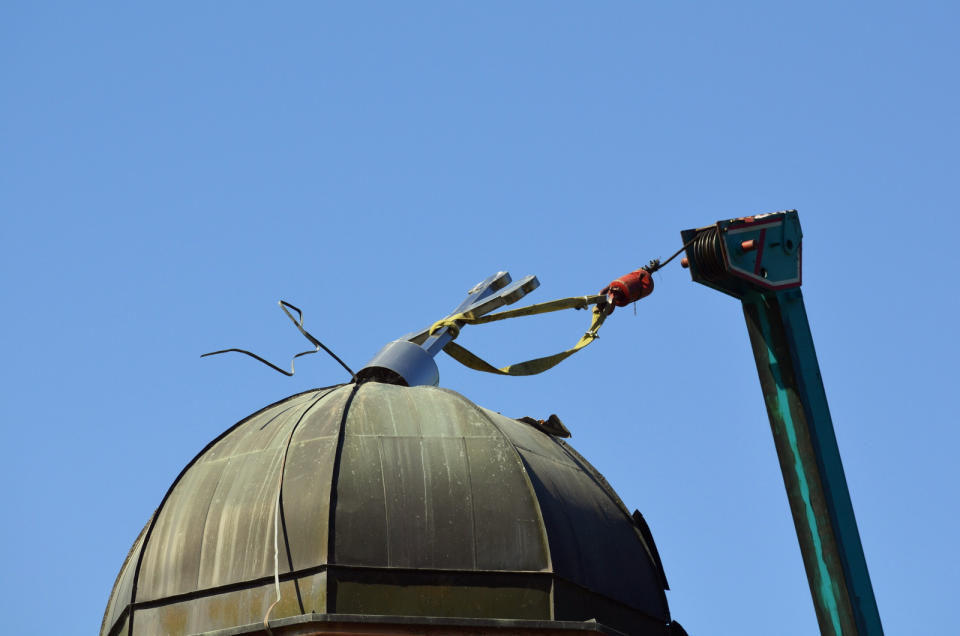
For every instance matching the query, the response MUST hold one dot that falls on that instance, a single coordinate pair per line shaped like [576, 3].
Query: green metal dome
[395, 501]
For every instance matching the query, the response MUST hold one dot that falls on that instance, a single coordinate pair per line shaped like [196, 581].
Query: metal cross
[487, 295]
[409, 360]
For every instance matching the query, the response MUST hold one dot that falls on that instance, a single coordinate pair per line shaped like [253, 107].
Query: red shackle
[629, 288]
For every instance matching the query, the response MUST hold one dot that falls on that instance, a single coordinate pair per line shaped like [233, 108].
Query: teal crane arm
[758, 260]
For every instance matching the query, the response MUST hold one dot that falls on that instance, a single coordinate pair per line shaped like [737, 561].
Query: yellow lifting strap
[529, 367]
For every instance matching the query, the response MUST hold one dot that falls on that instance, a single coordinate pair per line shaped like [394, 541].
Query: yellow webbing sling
[529, 367]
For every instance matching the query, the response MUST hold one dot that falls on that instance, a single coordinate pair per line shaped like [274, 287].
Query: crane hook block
[752, 254]
[629, 288]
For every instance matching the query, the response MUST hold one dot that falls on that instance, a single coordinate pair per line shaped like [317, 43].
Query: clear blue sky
[167, 173]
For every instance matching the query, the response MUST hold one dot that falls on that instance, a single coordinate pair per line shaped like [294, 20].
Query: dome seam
[283, 519]
[334, 483]
[529, 482]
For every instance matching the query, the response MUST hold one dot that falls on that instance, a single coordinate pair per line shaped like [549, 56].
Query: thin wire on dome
[276, 525]
[298, 322]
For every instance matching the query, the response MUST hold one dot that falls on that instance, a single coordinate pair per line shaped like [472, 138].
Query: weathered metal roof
[395, 501]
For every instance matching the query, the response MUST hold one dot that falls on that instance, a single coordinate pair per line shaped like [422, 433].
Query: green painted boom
[757, 260]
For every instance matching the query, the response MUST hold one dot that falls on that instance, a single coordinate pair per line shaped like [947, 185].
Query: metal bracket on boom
[757, 260]
[409, 361]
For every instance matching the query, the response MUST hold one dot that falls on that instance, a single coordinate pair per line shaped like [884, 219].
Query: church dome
[394, 501]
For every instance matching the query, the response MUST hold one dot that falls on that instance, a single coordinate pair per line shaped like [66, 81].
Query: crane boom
[758, 260]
